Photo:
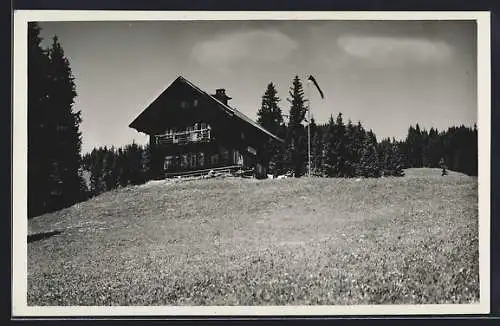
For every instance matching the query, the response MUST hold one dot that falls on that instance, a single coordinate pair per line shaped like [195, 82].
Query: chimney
[221, 95]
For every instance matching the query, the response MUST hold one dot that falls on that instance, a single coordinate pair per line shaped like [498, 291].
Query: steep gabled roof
[231, 111]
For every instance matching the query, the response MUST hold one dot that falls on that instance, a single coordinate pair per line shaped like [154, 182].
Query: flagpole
[309, 125]
[309, 80]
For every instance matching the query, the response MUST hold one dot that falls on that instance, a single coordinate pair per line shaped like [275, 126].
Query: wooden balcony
[185, 137]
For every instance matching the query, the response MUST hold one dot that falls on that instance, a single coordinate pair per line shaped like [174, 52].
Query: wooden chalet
[191, 130]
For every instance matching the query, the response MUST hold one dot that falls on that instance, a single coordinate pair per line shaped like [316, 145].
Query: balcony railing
[185, 137]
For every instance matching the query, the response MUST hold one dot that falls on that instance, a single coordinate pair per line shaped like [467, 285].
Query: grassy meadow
[231, 241]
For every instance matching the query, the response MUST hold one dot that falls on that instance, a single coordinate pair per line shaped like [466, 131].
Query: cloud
[395, 49]
[256, 46]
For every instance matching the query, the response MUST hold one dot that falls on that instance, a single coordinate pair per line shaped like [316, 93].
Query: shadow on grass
[43, 235]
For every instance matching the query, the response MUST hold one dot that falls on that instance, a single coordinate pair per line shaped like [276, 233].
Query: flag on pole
[311, 78]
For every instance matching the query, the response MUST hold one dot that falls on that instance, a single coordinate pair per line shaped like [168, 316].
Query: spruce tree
[330, 149]
[97, 184]
[54, 139]
[356, 134]
[474, 152]
[296, 137]
[350, 152]
[133, 154]
[397, 164]
[123, 174]
[418, 147]
[146, 162]
[390, 158]
[85, 172]
[316, 148]
[456, 146]
[270, 117]
[38, 137]
[425, 147]
[432, 149]
[369, 163]
[340, 141]
[297, 102]
[384, 155]
[410, 147]
[110, 169]
[279, 157]
[65, 122]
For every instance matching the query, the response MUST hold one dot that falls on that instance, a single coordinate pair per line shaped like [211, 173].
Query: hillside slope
[245, 242]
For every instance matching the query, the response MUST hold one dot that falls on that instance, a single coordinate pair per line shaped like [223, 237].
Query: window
[214, 159]
[184, 104]
[225, 154]
[193, 160]
[195, 102]
[184, 161]
[201, 159]
[193, 136]
[169, 162]
[235, 156]
[251, 150]
[238, 158]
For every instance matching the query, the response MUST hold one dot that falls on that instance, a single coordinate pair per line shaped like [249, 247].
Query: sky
[386, 74]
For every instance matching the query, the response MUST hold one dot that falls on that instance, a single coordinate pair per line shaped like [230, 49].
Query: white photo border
[19, 173]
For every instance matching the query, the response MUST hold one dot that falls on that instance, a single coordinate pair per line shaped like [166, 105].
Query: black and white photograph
[247, 164]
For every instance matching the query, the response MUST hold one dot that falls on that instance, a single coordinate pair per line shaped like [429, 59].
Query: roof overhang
[136, 123]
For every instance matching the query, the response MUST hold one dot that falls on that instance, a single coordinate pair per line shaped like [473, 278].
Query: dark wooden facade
[190, 129]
